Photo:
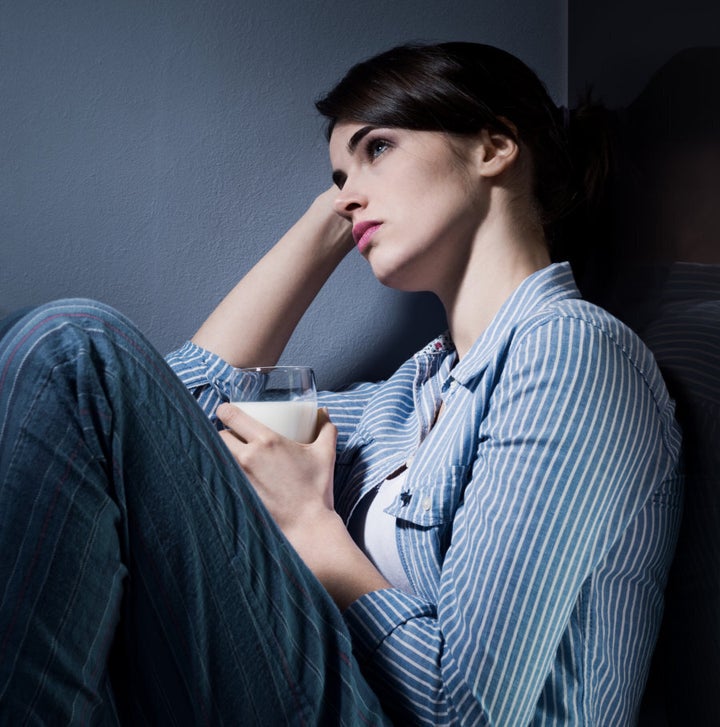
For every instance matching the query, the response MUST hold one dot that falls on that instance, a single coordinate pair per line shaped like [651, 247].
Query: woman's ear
[495, 153]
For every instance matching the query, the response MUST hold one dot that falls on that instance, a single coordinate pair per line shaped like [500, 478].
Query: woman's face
[414, 200]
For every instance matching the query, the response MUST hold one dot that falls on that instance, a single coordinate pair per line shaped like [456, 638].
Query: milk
[293, 419]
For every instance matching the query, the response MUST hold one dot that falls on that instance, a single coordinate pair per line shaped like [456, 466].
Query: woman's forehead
[344, 130]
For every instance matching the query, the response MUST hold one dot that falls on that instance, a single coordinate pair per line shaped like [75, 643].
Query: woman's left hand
[295, 482]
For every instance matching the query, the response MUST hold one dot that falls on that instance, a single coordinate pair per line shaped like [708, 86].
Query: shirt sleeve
[207, 377]
[204, 374]
[570, 448]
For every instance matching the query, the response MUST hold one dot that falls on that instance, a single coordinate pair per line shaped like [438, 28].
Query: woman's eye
[376, 147]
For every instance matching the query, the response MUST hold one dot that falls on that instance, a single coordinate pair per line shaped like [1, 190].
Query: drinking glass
[283, 398]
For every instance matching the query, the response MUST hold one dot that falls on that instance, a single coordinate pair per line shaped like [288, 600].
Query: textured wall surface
[151, 151]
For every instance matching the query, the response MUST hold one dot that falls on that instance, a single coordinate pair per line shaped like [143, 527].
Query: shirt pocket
[431, 499]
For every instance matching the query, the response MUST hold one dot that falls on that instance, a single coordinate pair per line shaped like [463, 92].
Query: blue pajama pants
[141, 579]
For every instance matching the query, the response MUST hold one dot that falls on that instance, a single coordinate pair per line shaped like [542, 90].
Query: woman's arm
[568, 459]
[252, 325]
[295, 482]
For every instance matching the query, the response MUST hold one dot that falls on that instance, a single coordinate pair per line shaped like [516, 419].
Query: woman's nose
[348, 201]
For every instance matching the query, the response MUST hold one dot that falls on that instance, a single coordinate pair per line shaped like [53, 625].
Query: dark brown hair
[461, 88]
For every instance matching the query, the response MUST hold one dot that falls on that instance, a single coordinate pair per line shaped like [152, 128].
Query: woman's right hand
[322, 213]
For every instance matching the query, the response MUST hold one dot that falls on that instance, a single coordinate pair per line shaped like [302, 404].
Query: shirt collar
[441, 345]
[539, 290]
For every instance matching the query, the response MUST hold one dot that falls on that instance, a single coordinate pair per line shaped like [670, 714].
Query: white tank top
[375, 531]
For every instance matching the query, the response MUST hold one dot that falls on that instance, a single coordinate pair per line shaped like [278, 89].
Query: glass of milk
[283, 398]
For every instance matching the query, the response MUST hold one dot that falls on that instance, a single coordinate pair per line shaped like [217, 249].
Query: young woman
[482, 539]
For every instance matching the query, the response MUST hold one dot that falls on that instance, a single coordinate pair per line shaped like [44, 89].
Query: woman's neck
[504, 254]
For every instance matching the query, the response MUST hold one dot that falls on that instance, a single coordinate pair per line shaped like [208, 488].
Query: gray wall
[151, 151]
[617, 59]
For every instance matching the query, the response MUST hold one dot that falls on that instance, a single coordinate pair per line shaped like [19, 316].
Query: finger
[326, 430]
[232, 442]
[245, 426]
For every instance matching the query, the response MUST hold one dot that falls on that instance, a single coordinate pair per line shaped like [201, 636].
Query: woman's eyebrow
[356, 138]
[338, 176]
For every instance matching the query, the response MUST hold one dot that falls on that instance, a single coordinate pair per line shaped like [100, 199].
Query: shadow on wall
[419, 317]
[662, 236]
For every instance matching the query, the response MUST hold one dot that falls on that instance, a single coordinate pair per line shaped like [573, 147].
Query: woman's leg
[141, 580]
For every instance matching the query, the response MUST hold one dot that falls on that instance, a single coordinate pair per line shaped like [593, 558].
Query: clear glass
[283, 398]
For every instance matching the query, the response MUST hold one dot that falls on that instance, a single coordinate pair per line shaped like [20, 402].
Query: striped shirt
[537, 520]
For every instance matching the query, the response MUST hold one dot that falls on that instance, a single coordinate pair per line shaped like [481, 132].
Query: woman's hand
[337, 231]
[295, 483]
[293, 480]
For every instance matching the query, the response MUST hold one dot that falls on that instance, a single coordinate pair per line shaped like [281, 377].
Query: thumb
[326, 430]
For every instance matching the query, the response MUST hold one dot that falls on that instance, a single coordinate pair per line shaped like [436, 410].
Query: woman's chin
[397, 281]
[410, 273]
[386, 274]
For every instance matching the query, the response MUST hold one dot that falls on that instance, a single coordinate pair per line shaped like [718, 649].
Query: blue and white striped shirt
[537, 522]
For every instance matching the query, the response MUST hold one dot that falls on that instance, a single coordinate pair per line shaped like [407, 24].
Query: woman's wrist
[326, 226]
[337, 562]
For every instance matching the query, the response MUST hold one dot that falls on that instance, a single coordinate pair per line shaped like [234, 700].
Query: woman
[482, 539]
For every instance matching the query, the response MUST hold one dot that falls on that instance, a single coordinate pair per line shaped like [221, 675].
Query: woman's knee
[68, 308]
[82, 316]
[89, 334]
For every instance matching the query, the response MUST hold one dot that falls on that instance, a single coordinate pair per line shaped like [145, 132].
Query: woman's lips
[363, 232]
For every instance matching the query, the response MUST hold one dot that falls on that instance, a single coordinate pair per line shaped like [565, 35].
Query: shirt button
[426, 503]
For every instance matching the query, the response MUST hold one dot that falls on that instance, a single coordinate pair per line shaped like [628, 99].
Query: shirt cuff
[204, 374]
[375, 615]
